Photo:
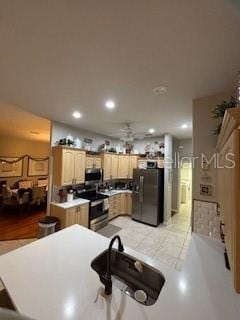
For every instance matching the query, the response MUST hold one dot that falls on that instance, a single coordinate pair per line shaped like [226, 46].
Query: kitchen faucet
[108, 278]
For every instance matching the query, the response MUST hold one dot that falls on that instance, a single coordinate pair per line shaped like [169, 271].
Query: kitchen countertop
[115, 191]
[70, 204]
[51, 279]
[79, 201]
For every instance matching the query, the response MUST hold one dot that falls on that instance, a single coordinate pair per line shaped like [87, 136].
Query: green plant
[219, 111]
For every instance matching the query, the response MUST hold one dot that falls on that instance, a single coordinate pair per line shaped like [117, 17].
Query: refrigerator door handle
[136, 188]
[141, 189]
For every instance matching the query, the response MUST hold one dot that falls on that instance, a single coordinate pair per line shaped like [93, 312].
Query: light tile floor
[6, 246]
[168, 244]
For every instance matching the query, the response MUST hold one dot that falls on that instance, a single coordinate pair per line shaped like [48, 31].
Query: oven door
[98, 215]
[93, 176]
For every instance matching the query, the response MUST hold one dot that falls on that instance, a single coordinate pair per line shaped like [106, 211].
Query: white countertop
[51, 279]
[115, 191]
[70, 204]
[79, 201]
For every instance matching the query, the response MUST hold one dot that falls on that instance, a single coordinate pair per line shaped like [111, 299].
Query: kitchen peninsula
[54, 281]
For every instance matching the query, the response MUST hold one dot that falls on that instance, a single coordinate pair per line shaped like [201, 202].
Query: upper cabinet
[123, 167]
[133, 164]
[119, 166]
[115, 166]
[93, 162]
[110, 166]
[68, 166]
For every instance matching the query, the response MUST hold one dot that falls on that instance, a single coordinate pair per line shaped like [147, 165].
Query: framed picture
[37, 167]
[10, 169]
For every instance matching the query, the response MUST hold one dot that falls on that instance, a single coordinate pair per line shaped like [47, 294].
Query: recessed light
[151, 130]
[184, 126]
[76, 115]
[110, 104]
[160, 90]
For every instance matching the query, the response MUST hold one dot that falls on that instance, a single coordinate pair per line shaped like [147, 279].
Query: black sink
[126, 276]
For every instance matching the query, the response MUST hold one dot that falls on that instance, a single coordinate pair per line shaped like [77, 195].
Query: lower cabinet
[120, 204]
[74, 215]
[114, 206]
[126, 204]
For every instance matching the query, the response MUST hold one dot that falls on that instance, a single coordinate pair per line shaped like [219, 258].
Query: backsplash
[206, 218]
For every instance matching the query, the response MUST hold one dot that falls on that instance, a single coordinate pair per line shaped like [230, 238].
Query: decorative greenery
[219, 111]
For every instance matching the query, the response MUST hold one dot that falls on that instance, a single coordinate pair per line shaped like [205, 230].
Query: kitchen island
[51, 279]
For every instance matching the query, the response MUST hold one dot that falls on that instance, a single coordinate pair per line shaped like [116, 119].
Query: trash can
[47, 226]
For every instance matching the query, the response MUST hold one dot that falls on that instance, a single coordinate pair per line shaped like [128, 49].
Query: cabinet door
[82, 215]
[98, 163]
[114, 169]
[123, 171]
[67, 167]
[79, 166]
[89, 162]
[107, 165]
[70, 216]
[123, 207]
[129, 203]
[133, 164]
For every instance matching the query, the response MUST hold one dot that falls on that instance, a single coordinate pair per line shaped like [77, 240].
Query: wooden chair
[25, 184]
[8, 201]
[38, 195]
[18, 202]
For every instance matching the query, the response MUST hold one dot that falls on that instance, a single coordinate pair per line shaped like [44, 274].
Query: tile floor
[169, 244]
[6, 246]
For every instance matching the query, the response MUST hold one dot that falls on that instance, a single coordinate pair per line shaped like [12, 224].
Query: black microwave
[151, 164]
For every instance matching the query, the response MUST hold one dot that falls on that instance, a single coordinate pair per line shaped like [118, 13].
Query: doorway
[24, 157]
[185, 190]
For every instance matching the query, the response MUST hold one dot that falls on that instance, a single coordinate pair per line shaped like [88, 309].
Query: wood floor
[15, 226]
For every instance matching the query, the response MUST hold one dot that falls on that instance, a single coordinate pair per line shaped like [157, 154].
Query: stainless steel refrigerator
[148, 196]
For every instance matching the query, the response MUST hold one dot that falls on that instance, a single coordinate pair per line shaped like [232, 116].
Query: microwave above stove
[93, 176]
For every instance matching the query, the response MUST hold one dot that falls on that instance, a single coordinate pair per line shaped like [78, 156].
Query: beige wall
[61, 130]
[204, 141]
[16, 147]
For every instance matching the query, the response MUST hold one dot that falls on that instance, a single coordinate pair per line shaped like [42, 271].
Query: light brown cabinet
[93, 162]
[123, 167]
[68, 166]
[133, 164]
[114, 206]
[75, 215]
[126, 204]
[229, 188]
[119, 166]
[115, 164]
[110, 166]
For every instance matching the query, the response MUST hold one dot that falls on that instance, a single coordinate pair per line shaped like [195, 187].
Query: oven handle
[96, 203]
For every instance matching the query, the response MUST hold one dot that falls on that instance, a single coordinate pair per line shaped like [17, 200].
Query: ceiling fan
[128, 134]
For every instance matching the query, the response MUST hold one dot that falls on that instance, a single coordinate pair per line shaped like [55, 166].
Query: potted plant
[219, 111]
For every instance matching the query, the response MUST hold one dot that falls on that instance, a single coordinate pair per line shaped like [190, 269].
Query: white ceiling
[14, 121]
[60, 56]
